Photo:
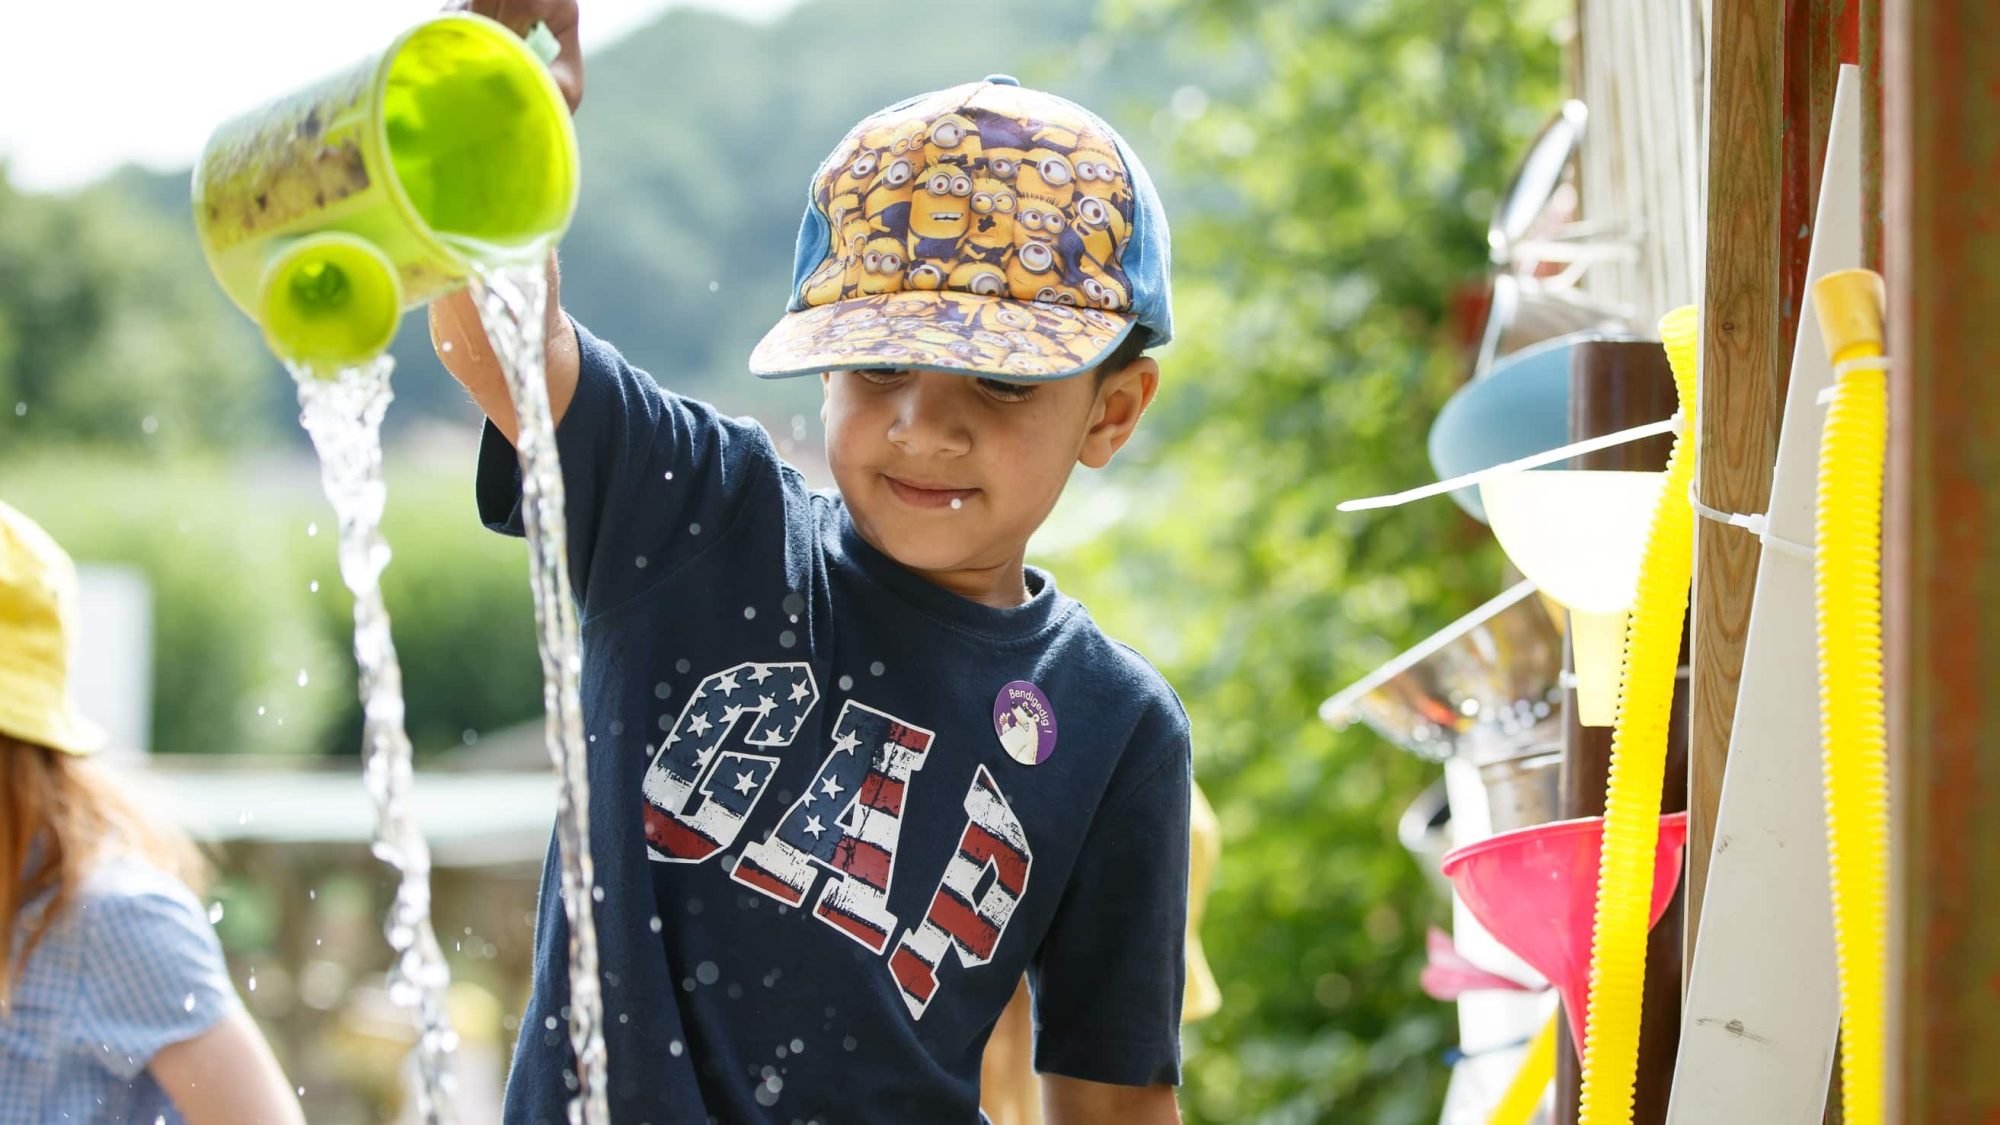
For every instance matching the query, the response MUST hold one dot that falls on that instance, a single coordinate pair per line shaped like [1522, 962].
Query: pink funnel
[1535, 890]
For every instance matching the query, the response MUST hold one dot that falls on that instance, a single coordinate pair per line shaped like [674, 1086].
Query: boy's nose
[927, 421]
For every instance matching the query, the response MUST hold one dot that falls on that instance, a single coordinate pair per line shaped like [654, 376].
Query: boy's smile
[950, 474]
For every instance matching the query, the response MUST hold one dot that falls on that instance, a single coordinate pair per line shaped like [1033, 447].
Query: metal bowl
[1486, 687]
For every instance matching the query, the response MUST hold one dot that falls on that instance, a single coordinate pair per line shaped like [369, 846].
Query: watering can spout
[329, 300]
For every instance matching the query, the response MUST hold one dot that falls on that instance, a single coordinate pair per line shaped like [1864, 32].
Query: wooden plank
[1762, 1007]
[1942, 567]
[1868, 44]
[1739, 383]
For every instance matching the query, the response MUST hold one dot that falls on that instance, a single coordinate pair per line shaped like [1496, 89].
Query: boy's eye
[878, 375]
[1005, 391]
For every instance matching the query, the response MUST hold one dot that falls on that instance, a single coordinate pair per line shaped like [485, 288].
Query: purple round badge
[1025, 723]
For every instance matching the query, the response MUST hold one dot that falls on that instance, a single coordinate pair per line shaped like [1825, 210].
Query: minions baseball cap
[986, 229]
[37, 620]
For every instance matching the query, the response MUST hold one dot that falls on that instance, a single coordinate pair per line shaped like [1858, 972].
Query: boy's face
[905, 445]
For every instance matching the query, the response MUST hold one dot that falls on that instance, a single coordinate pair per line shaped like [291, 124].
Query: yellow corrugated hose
[1847, 564]
[1638, 766]
[1523, 1095]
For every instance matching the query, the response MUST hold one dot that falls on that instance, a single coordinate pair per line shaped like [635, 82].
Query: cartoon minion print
[953, 134]
[984, 279]
[1099, 173]
[937, 207]
[1047, 173]
[881, 266]
[940, 212]
[993, 205]
[1102, 288]
[886, 201]
[1003, 142]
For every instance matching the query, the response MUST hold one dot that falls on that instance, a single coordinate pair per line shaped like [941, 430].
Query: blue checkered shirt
[131, 967]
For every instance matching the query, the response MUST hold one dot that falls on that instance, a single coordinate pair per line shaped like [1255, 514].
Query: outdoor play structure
[1714, 771]
[1727, 420]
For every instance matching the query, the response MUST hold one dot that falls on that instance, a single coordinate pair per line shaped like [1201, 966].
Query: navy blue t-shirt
[822, 872]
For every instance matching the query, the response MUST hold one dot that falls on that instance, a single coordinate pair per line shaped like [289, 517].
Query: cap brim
[941, 331]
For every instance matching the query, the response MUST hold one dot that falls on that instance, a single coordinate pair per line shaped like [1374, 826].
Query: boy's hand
[561, 17]
[456, 333]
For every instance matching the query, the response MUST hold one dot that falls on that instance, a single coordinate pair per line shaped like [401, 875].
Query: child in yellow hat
[115, 1005]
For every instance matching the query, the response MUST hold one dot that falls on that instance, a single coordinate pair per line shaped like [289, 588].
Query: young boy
[854, 767]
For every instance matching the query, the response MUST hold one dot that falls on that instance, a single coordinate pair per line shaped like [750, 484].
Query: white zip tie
[1864, 363]
[1758, 525]
[1534, 461]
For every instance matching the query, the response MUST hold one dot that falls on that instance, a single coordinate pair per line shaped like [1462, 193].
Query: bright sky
[88, 86]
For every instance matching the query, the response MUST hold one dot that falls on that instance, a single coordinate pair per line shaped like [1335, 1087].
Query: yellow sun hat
[1201, 998]
[37, 621]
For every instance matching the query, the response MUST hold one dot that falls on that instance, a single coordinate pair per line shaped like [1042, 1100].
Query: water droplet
[670, 475]
[149, 424]
[640, 562]
[787, 639]
[713, 286]
[767, 1093]
[302, 1091]
[302, 677]
[957, 502]
[253, 980]
[260, 710]
[798, 1046]
[674, 1048]
[846, 683]
[20, 409]
[187, 1004]
[214, 913]
[312, 894]
[682, 666]
[694, 529]
[662, 690]
[445, 346]
[312, 529]
[597, 893]
[707, 973]
[749, 612]
[876, 668]
[243, 818]
[313, 586]
[794, 604]
[468, 736]
[653, 923]
[550, 1023]
[848, 1043]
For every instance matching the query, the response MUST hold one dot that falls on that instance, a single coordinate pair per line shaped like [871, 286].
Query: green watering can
[327, 213]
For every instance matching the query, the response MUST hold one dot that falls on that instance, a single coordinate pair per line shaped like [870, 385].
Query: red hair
[66, 814]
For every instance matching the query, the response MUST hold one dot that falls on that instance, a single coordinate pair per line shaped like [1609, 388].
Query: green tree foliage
[110, 332]
[1360, 166]
[247, 596]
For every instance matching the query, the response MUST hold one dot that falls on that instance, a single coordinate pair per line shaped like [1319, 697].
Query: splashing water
[343, 413]
[512, 303]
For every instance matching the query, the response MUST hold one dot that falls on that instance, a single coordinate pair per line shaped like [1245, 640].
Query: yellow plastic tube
[1523, 1095]
[1638, 766]
[1847, 565]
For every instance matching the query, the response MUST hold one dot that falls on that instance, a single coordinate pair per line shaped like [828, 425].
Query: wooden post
[1941, 585]
[1740, 359]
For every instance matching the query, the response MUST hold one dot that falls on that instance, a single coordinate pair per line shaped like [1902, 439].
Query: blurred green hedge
[247, 597]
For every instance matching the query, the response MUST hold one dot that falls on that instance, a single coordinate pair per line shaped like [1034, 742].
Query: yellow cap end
[1849, 307]
[329, 300]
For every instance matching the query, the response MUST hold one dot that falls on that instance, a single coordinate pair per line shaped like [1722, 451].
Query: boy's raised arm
[462, 347]
[455, 329]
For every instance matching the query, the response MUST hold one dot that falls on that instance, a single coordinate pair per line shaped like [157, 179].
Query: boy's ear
[1121, 398]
